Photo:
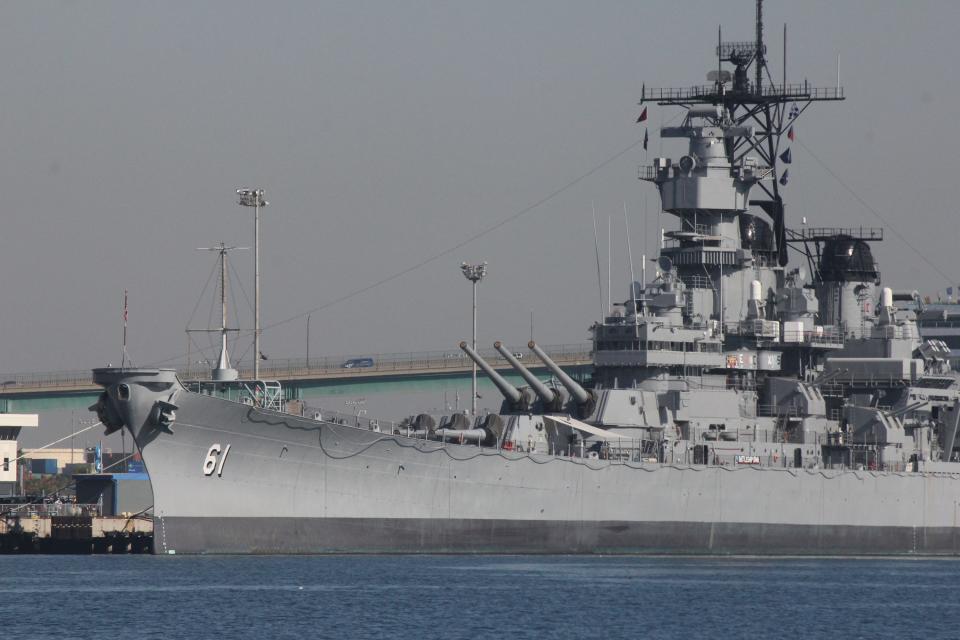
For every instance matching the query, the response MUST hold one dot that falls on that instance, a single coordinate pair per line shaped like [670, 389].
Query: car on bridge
[357, 363]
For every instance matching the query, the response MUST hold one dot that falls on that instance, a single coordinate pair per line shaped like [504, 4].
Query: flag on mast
[786, 157]
[643, 116]
[790, 134]
[646, 138]
[783, 178]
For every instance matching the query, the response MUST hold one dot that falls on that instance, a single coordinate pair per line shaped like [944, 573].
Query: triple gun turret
[522, 399]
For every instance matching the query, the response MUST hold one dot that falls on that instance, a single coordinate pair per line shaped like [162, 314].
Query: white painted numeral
[214, 461]
[223, 459]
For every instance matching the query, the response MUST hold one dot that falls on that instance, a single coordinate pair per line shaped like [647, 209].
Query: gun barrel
[509, 391]
[546, 394]
[467, 435]
[578, 392]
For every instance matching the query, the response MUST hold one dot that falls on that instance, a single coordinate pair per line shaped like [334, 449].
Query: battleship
[738, 404]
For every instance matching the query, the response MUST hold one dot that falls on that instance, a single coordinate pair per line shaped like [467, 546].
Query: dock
[71, 528]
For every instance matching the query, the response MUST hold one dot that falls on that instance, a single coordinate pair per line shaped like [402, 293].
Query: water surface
[380, 597]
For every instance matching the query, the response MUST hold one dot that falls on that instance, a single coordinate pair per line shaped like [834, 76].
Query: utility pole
[254, 198]
[474, 273]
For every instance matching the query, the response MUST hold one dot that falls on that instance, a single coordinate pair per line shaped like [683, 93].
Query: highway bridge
[322, 376]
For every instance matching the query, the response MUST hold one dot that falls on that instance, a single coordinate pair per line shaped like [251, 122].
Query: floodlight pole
[254, 198]
[474, 273]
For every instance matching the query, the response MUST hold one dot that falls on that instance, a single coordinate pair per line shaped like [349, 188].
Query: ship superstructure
[736, 404]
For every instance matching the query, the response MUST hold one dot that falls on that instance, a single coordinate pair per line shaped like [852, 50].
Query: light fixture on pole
[254, 198]
[474, 273]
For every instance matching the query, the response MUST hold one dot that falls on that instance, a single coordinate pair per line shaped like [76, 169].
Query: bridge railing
[10, 382]
[453, 358]
[398, 362]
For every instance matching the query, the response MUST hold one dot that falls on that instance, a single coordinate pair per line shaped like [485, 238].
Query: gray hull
[426, 535]
[294, 485]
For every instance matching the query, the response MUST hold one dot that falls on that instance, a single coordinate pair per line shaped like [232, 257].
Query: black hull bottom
[376, 535]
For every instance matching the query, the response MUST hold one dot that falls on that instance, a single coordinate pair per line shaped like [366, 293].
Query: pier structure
[72, 528]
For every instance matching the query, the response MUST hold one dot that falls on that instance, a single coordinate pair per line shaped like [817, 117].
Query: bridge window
[6, 464]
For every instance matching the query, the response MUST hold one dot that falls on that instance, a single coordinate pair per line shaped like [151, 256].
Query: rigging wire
[50, 444]
[236, 314]
[38, 499]
[440, 254]
[874, 212]
[466, 241]
[202, 295]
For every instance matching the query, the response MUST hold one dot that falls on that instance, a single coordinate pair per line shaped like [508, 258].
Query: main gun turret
[583, 397]
[517, 398]
[552, 399]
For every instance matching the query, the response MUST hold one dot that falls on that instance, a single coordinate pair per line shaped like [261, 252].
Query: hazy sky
[387, 132]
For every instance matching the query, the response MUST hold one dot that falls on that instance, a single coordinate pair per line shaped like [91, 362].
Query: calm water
[476, 597]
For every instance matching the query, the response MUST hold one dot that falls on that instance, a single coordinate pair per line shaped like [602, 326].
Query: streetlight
[474, 273]
[254, 198]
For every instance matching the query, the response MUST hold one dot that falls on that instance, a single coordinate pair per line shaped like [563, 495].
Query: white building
[10, 425]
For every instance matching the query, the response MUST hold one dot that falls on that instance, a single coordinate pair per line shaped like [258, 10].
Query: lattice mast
[761, 105]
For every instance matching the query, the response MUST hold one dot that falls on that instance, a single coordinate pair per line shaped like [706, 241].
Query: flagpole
[123, 356]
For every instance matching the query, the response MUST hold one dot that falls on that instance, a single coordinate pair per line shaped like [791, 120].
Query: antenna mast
[223, 370]
[761, 50]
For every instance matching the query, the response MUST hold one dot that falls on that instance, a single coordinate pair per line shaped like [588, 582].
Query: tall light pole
[474, 273]
[254, 198]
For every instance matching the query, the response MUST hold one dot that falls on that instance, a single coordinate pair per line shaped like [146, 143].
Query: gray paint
[326, 481]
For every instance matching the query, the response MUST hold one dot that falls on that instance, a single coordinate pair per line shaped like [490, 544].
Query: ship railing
[800, 91]
[647, 172]
[616, 451]
[730, 384]
[938, 324]
[697, 282]
[48, 509]
[824, 335]
[266, 394]
[824, 233]
[827, 336]
[357, 419]
[773, 411]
